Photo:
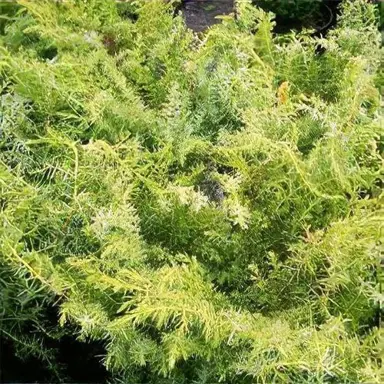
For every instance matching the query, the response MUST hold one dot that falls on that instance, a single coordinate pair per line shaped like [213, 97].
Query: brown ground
[200, 14]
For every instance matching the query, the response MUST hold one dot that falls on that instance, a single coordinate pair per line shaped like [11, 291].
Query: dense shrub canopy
[208, 207]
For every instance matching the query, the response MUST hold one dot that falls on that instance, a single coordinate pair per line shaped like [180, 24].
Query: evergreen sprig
[209, 207]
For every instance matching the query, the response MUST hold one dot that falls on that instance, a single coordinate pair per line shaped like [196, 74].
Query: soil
[201, 14]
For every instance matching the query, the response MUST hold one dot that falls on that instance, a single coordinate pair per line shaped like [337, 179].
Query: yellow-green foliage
[208, 207]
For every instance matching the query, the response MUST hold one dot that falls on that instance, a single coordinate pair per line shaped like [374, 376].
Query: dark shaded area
[82, 361]
[15, 370]
[79, 363]
[75, 361]
[49, 53]
[321, 20]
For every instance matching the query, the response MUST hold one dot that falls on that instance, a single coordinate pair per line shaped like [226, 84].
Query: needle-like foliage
[209, 207]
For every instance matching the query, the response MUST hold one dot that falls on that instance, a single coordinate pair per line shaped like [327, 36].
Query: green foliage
[209, 208]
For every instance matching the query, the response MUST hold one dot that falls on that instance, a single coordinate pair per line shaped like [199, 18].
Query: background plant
[297, 9]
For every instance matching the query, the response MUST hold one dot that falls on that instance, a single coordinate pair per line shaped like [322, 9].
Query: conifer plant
[208, 207]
